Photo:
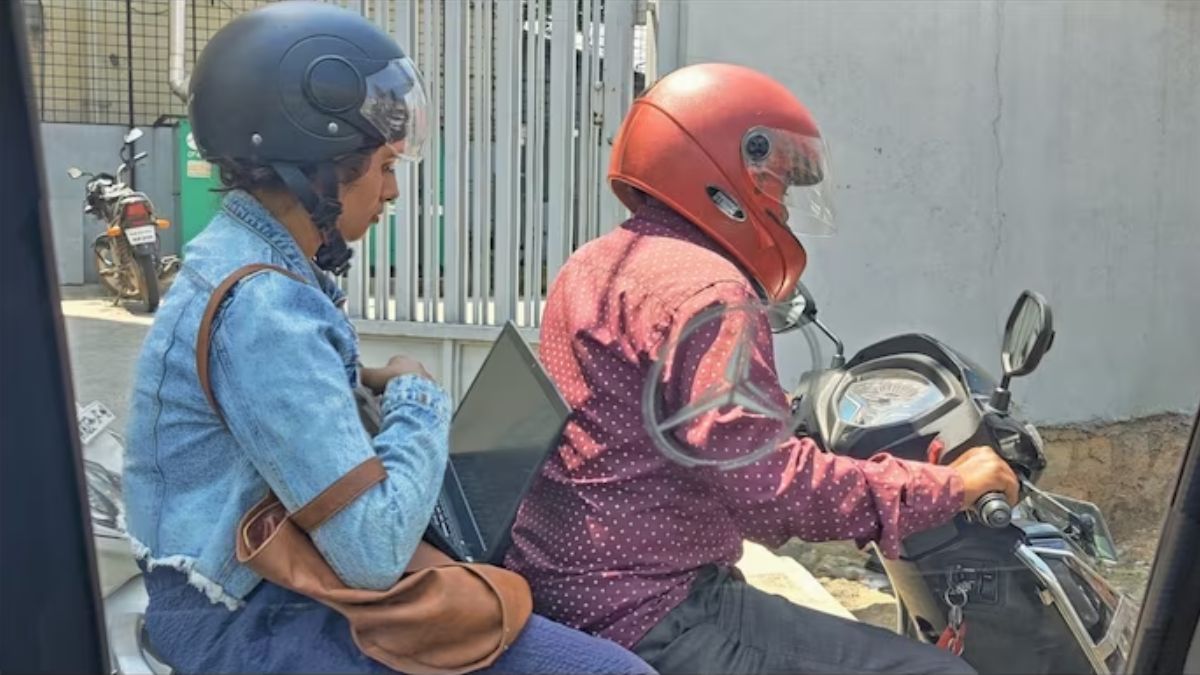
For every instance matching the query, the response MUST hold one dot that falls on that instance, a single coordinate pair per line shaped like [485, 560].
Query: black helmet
[303, 82]
[300, 84]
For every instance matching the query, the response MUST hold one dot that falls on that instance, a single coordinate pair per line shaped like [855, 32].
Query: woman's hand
[982, 471]
[376, 379]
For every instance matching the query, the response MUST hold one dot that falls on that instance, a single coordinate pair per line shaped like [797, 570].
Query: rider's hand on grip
[983, 471]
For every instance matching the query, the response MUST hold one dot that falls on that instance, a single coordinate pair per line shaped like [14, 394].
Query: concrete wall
[980, 148]
[452, 354]
[94, 147]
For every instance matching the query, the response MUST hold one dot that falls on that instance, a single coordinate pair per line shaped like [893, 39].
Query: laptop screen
[511, 417]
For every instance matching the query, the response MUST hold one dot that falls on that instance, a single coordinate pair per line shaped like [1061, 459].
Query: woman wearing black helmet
[304, 108]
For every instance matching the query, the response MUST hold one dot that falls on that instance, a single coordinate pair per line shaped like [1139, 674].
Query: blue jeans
[278, 631]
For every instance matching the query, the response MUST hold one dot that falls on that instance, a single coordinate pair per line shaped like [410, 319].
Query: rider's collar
[250, 213]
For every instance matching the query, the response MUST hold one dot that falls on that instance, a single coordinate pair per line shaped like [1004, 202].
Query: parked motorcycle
[1013, 590]
[126, 254]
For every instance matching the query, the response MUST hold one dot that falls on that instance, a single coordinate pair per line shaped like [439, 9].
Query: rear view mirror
[74, 173]
[1028, 335]
[133, 135]
[801, 310]
[794, 312]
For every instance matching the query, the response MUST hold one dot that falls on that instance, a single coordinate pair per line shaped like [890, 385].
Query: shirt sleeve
[283, 385]
[797, 490]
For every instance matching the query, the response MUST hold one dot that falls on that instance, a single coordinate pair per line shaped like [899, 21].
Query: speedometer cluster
[887, 396]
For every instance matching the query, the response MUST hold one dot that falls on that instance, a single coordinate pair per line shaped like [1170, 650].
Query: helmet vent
[758, 146]
[726, 204]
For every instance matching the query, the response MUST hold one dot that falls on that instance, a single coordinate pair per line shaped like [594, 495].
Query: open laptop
[510, 418]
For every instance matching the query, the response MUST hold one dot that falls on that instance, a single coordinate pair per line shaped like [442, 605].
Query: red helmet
[735, 153]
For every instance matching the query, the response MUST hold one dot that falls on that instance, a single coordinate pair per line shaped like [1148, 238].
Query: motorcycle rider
[304, 108]
[721, 167]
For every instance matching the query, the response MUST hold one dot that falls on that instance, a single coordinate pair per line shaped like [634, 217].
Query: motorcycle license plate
[141, 235]
[93, 418]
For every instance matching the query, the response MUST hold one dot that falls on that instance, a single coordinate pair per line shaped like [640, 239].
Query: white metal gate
[529, 95]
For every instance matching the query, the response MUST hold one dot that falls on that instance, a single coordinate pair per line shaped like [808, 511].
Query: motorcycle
[121, 585]
[126, 254]
[1011, 589]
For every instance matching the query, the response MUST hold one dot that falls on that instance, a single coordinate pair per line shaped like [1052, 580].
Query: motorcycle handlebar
[993, 510]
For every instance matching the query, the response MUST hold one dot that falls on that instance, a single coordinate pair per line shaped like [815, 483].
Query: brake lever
[1045, 502]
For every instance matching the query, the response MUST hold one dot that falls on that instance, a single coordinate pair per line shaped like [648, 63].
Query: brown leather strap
[343, 491]
[204, 337]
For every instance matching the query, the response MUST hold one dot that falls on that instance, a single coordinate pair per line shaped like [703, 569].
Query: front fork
[110, 265]
[120, 257]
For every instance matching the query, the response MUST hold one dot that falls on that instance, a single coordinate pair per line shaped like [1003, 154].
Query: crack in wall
[1000, 217]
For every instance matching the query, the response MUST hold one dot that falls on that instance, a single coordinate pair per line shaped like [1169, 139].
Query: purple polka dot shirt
[613, 532]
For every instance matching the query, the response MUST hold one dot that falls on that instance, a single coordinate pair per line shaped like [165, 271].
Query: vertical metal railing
[406, 211]
[508, 157]
[617, 85]
[431, 270]
[531, 152]
[481, 161]
[524, 96]
[456, 115]
[561, 141]
[588, 178]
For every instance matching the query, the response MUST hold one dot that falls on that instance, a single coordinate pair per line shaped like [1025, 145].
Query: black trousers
[727, 626]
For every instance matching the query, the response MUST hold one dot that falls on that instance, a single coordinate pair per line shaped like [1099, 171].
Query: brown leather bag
[441, 618]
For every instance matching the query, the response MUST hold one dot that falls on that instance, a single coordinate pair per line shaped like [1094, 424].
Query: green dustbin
[197, 180]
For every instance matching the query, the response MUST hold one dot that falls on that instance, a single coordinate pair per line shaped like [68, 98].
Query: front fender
[146, 251]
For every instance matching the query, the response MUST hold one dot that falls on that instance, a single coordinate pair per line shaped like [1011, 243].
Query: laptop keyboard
[494, 483]
[440, 521]
[444, 526]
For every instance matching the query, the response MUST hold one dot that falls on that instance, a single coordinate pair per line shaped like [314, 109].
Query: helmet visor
[792, 171]
[395, 105]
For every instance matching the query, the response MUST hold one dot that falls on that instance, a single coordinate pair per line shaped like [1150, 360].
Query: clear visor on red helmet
[792, 171]
[395, 105]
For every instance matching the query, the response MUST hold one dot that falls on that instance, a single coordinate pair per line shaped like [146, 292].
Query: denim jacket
[283, 362]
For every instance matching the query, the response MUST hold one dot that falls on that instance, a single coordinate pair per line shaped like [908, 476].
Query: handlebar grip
[993, 510]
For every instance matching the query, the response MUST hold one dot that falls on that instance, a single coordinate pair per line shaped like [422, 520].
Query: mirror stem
[1001, 397]
[839, 356]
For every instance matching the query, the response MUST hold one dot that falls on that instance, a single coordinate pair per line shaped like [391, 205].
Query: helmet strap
[324, 208]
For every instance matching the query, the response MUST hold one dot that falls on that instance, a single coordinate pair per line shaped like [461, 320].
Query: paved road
[103, 342]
